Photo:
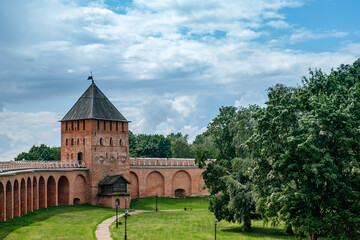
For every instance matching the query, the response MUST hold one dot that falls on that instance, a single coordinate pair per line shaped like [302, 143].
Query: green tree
[228, 174]
[155, 146]
[180, 148]
[306, 145]
[41, 152]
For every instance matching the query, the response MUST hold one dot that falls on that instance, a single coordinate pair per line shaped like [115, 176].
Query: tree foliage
[41, 152]
[228, 174]
[306, 145]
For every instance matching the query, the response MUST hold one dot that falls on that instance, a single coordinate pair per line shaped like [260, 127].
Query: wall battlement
[173, 162]
[22, 165]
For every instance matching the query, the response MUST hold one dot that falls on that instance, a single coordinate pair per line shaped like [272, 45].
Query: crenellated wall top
[22, 165]
[164, 162]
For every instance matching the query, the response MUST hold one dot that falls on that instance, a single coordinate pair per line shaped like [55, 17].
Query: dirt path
[102, 232]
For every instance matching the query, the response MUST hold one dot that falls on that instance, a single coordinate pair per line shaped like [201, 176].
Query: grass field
[171, 222]
[170, 203]
[195, 224]
[62, 222]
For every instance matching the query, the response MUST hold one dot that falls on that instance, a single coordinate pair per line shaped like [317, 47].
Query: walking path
[102, 232]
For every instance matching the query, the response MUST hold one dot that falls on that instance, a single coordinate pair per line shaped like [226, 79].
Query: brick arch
[16, 199]
[23, 197]
[63, 191]
[155, 184]
[51, 192]
[42, 192]
[181, 183]
[134, 180]
[2, 202]
[9, 201]
[29, 195]
[79, 189]
[35, 195]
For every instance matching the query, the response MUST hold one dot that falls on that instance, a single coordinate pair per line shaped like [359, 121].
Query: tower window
[111, 143]
[117, 128]
[67, 156]
[84, 141]
[122, 126]
[78, 141]
[66, 123]
[72, 156]
[98, 124]
[66, 142]
[104, 125]
[72, 125]
[84, 125]
[110, 125]
[72, 142]
[120, 142]
[78, 125]
[101, 141]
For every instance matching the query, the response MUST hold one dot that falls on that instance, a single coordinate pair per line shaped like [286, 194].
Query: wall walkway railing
[22, 165]
[162, 162]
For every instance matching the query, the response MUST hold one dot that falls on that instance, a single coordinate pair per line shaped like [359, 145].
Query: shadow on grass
[40, 215]
[260, 232]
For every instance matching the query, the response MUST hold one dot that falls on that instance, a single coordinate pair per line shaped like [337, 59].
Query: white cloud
[251, 98]
[22, 130]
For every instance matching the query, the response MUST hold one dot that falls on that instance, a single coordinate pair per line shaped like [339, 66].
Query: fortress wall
[167, 177]
[23, 191]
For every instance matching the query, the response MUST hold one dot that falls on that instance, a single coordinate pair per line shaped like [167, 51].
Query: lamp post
[215, 222]
[126, 213]
[117, 203]
[156, 201]
[126, 198]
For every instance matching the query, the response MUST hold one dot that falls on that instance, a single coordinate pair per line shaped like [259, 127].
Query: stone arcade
[95, 166]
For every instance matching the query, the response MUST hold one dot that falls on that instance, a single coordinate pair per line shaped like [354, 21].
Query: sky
[167, 65]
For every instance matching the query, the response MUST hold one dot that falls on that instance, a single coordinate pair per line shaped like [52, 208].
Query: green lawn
[195, 224]
[62, 222]
[167, 203]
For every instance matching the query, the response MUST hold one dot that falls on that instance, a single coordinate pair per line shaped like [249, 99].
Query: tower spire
[91, 77]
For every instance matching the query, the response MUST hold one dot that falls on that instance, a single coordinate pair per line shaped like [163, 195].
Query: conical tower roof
[93, 104]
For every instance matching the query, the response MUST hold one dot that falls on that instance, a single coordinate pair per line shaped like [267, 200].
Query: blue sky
[166, 65]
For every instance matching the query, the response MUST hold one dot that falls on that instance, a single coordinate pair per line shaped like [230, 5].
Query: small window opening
[66, 123]
[101, 141]
[84, 141]
[66, 142]
[80, 157]
[111, 142]
[120, 142]
[104, 125]
[72, 142]
[78, 141]
[84, 125]
[122, 126]
[78, 125]
[110, 125]
[98, 124]
[72, 125]
[117, 127]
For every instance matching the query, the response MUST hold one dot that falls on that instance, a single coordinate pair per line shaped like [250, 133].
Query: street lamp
[117, 203]
[215, 222]
[126, 214]
[156, 201]
[126, 198]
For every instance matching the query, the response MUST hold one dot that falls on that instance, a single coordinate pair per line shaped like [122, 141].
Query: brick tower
[95, 133]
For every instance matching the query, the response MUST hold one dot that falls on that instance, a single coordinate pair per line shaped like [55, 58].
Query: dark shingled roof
[93, 104]
[111, 179]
